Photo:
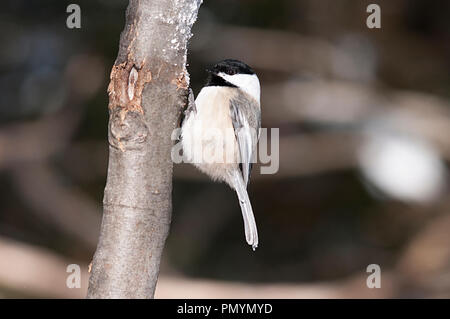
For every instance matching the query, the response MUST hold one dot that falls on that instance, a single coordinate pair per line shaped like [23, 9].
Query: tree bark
[148, 89]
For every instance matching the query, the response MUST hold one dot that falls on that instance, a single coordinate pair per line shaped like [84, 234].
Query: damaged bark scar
[181, 81]
[127, 129]
[127, 82]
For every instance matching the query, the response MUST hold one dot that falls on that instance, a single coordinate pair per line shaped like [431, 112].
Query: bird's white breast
[200, 129]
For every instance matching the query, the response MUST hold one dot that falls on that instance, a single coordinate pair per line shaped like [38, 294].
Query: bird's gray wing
[246, 118]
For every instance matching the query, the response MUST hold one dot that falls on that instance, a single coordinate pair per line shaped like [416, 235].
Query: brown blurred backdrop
[364, 119]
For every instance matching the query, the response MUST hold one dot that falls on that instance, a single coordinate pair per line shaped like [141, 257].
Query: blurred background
[364, 120]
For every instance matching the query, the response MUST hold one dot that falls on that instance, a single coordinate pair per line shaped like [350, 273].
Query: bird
[220, 131]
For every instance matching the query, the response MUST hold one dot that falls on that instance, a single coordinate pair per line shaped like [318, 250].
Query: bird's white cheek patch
[246, 82]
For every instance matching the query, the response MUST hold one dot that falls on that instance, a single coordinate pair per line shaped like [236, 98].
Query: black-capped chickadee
[224, 124]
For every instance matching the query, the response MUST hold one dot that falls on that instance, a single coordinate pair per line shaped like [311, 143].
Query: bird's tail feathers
[251, 232]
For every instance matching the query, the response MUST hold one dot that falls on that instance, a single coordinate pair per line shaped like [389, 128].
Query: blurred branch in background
[273, 50]
[425, 265]
[36, 140]
[63, 205]
[37, 272]
[47, 277]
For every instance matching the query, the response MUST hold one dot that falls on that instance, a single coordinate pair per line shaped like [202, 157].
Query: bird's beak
[210, 71]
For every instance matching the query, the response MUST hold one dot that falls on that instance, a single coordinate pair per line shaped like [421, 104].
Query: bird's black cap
[231, 67]
[228, 66]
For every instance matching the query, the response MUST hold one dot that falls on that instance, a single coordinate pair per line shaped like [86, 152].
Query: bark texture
[147, 91]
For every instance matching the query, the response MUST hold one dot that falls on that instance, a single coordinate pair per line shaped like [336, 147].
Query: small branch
[147, 91]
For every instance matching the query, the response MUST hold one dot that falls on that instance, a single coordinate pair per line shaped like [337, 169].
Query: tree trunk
[148, 89]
